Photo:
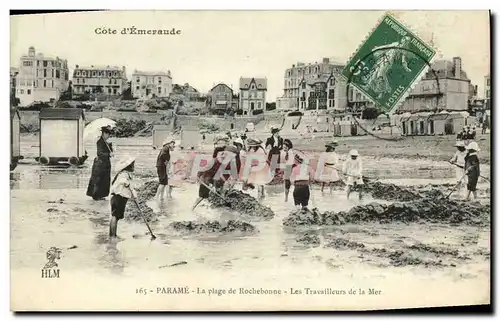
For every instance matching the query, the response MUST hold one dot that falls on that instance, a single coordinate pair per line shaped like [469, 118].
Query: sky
[222, 46]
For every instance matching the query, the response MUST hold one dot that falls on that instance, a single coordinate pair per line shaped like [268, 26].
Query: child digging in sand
[121, 191]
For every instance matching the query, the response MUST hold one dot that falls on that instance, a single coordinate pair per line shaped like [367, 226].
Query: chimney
[326, 60]
[457, 64]
[77, 67]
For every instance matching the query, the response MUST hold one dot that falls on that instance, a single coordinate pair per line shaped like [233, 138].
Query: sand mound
[243, 204]
[232, 226]
[147, 191]
[431, 207]
[390, 192]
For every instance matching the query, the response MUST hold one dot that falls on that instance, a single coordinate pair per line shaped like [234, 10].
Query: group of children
[467, 162]
[467, 134]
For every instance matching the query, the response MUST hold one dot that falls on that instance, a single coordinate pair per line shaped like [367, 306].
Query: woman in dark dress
[472, 169]
[100, 180]
[274, 145]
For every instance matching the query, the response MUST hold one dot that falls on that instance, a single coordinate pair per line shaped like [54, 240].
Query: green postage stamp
[388, 63]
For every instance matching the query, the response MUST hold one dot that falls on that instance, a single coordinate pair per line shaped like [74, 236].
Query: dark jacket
[275, 150]
[472, 165]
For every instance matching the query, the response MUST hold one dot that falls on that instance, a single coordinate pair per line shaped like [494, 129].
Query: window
[93, 73]
[330, 103]
[33, 83]
[52, 82]
[303, 85]
[114, 91]
[159, 80]
[45, 73]
[84, 74]
[137, 80]
[109, 90]
[487, 82]
[159, 90]
[52, 73]
[29, 91]
[116, 81]
[37, 72]
[136, 87]
[44, 83]
[487, 94]
[45, 63]
[331, 94]
[259, 105]
[38, 63]
[78, 73]
[332, 82]
[77, 80]
[22, 91]
[27, 63]
[83, 80]
[303, 95]
[358, 97]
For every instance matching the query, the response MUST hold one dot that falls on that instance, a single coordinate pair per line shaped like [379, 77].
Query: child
[162, 167]
[331, 160]
[289, 165]
[459, 160]
[472, 169]
[301, 175]
[260, 178]
[353, 170]
[121, 191]
[206, 178]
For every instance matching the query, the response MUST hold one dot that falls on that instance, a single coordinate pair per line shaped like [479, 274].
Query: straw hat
[222, 137]
[353, 152]
[124, 163]
[238, 141]
[333, 143]
[168, 140]
[460, 143]
[474, 146]
[254, 142]
[275, 128]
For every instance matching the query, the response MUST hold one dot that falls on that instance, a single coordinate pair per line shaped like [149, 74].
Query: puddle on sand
[34, 229]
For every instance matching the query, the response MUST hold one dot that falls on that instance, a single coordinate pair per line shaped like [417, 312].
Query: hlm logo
[50, 271]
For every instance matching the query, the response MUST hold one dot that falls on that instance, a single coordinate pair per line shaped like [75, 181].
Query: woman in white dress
[256, 155]
[459, 161]
[329, 173]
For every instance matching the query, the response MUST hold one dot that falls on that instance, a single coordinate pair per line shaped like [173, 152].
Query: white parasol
[93, 130]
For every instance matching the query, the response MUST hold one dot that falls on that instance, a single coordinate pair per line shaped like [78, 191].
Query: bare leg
[475, 194]
[331, 188]
[322, 187]
[468, 195]
[287, 191]
[348, 191]
[262, 195]
[160, 193]
[113, 225]
[170, 188]
[360, 187]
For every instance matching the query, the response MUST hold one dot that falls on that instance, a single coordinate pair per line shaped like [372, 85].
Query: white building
[41, 78]
[104, 80]
[146, 84]
[252, 95]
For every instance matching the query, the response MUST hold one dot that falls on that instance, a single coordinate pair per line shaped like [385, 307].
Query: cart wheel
[74, 161]
[44, 160]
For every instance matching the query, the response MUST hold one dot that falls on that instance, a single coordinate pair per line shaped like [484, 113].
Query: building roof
[223, 84]
[62, 113]
[93, 67]
[150, 73]
[261, 83]
[445, 69]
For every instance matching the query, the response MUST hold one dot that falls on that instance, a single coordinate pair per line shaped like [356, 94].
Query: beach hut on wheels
[15, 138]
[61, 136]
[160, 132]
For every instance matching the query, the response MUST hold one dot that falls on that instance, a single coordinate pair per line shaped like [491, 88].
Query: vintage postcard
[250, 160]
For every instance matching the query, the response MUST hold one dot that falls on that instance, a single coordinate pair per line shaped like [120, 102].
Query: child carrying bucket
[121, 191]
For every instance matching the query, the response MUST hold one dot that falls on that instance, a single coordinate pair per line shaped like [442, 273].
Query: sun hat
[333, 143]
[275, 128]
[353, 152]
[460, 143]
[220, 137]
[238, 141]
[254, 142]
[106, 129]
[124, 163]
[168, 140]
[474, 146]
[288, 143]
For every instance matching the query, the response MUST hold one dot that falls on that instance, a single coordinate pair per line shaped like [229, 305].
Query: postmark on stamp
[388, 63]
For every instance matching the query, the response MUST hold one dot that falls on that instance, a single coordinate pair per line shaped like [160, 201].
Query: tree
[68, 93]
[370, 113]
[270, 106]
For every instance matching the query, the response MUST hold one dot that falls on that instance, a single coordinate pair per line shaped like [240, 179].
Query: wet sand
[414, 264]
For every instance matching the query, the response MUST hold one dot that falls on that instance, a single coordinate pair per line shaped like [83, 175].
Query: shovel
[142, 215]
